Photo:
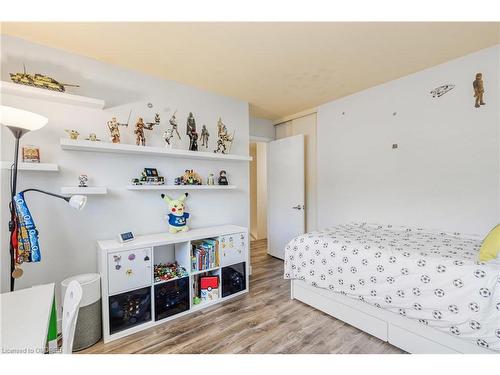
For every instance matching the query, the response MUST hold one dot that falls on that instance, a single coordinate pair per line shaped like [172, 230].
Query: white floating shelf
[121, 148]
[181, 187]
[89, 190]
[40, 167]
[50, 95]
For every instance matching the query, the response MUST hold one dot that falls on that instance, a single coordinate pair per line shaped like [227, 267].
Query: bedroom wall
[68, 238]
[444, 173]
[261, 128]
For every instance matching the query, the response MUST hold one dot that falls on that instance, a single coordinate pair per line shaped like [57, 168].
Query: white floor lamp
[19, 123]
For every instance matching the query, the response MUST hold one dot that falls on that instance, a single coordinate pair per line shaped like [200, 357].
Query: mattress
[434, 278]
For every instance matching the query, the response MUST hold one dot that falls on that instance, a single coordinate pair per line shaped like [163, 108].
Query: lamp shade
[77, 201]
[20, 119]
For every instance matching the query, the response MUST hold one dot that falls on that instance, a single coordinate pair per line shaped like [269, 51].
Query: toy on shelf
[73, 134]
[38, 80]
[224, 140]
[222, 178]
[204, 136]
[169, 271]
[114, 128]
[191, 132]
[83, 179]
[177, 216]
[211, 179]
[140, 138]
[190, 177]
[31, 154]
[478, 86]
[149, 176]
[169, 133]
[93, 137]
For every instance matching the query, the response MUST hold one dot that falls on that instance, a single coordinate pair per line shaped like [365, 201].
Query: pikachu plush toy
[176, 216]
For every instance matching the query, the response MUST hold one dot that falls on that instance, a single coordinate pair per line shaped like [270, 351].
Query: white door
[285, 193]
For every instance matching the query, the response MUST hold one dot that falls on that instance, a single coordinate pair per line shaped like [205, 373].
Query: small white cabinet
[233, 248]
[128, 270]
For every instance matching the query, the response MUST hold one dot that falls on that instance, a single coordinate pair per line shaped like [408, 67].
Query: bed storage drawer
[414, 343]
[316, 297]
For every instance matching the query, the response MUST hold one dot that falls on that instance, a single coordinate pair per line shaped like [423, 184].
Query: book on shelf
[205, 255]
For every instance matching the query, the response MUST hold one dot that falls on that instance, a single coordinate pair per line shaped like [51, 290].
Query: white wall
[68, 238]
[261, 128]
[445, 173]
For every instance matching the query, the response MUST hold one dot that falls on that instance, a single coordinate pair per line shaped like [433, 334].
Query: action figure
[478, 90]
[114, 129]
[223, 138]
[83, 180]
[140, 139]
[169, 133]
[204, 136]
[211, 179]
[222, 178]
[191, 132]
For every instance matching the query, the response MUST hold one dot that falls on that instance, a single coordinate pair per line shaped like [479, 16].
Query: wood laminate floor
[263, 321]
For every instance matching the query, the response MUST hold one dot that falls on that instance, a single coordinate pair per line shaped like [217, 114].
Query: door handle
[298, 207]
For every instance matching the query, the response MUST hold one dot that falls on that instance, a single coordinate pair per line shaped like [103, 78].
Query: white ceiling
[279, 68]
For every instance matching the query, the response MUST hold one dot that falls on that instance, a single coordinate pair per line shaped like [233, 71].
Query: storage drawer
[171, 298]
[414, 343]
[129, 309]
[129, 269]
[233, 279]
[233, 248]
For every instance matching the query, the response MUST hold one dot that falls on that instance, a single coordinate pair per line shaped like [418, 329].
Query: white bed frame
[407, 334]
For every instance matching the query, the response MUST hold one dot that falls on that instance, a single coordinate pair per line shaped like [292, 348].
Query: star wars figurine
[191, 132]
[478, 90]
[83, 179]
[140, 138]
[204, 136]
[224, 139]
[169, 133]
[211, 179]
[114, 129]
[222, 178]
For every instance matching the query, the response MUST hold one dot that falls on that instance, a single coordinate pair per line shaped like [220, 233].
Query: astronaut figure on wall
[478, 86]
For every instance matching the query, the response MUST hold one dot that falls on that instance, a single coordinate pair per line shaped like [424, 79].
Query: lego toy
[177, 217]
[478, 86]
[211, 179]
[140, 138]
[204, 136]
[190, 177]
[224, 140]
[169, 271]
[92, 137]
[83, 179]
[114, 128]
[222, 178]
[149, 176]
[73, 134]
[31, 154]
[38, 80]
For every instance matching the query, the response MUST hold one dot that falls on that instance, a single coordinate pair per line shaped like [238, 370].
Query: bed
[422, 291]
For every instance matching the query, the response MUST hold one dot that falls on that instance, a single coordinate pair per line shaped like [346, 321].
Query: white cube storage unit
[133, 300]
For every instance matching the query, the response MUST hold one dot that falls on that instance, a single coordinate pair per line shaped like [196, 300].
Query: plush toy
[176, 216]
